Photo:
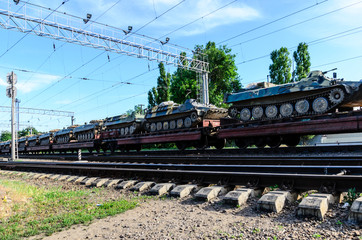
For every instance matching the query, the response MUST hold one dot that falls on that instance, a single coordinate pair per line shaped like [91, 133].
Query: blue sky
[53, 81]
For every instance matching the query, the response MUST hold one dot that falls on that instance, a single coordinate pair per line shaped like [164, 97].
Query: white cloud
[36, 82]
[3, 82]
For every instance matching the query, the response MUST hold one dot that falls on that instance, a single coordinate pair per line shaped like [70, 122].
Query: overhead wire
[314, 42]
[296, 24]
[17, 42]
[271, 22]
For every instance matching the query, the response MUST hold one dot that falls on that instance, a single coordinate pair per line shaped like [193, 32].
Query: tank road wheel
[159, 126]
[153, 127]
[180, 123]
[126, 130]
[165, 125]
[172, 124]
[233, 112]
[194, 117]
[241, 143]
[302, 106]
[122, 131]
[257, 112]
[320, 105]
[336, 96]
[188, 122]
[245, 114]
[147, 127]
[274, 142]
[286, 109]
[131, 130]
[271, 111]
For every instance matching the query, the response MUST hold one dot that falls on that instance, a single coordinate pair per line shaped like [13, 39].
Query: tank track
[325, 94]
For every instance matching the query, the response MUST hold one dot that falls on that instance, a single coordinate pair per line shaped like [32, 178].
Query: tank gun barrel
[329, 70]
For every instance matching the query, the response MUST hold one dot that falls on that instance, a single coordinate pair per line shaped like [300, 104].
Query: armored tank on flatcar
[123, 125]
[64, 135]
[46, 139]
[89, 131]
[170, 115]
[314, 94]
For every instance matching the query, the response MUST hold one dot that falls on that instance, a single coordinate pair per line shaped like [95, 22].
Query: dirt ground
[173, 218]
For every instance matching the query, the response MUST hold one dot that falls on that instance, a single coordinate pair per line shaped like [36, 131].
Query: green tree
[302, 60]
[28, 131]
[223, 76]
[162, 92]
[5, 136]
[183, 83]
[279, 70]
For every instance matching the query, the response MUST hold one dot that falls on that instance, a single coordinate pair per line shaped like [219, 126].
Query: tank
[89, 131]
[33, 140]
[46, 139]
[64, 135]
[315, 94]
[22, 142]
[125, 124]
[170, 115]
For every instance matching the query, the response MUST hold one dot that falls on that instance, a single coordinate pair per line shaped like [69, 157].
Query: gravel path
[190, 219]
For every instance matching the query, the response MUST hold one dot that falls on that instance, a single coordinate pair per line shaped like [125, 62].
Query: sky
[95, 84]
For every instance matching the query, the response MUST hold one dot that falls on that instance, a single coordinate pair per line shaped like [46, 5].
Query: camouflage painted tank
[170, 115]
[126, 124]
[33, 140]
[314, 94]
[64, 135]
[89, 131]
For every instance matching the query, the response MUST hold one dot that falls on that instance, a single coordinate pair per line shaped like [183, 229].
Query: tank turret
[314, 94]
[170, 115]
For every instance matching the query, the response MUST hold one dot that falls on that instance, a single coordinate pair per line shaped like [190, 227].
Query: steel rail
[257, 179]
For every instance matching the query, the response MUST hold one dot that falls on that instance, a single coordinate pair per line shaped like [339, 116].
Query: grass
[36, 210]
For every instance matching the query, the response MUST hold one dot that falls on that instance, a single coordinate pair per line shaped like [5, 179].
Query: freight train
[198, 125]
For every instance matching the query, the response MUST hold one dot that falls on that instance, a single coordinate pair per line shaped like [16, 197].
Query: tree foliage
[5, 136]
[162, 92]
[279, 70]
[223, 76]
[302, 60]
[28, 131]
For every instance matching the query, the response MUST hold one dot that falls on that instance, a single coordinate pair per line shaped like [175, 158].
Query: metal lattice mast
[71, 29]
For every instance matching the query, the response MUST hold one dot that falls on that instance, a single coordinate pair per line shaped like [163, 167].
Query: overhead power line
[314, 42]
[296, 24]
[274, 21]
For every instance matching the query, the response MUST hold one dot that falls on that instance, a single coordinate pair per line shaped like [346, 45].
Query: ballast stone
[275, 200]
[315, 205]
[182, 191]
[162, 188]
[126, 184]
[210, 192]
[142, 186]
[355, 214]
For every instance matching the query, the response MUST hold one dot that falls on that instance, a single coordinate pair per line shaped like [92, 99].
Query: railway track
[330, 178]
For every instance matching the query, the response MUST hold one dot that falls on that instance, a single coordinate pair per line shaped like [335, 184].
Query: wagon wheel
[181, 145]
[241, 143]
[90, 150]
[260, 143]
[202, 143]
[220, 144]
[291, 141]
[274, 142]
